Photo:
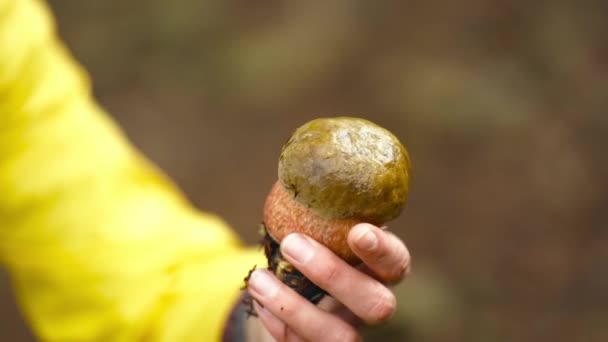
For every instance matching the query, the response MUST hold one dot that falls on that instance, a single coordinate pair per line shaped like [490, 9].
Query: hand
[359, 294]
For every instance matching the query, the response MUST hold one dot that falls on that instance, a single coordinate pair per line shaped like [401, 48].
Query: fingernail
[365, 238]
[297, 247]
[263, 284]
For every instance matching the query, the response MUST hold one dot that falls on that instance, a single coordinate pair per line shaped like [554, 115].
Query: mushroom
[333, 174]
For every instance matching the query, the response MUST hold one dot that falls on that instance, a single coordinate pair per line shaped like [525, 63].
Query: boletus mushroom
[333, 174]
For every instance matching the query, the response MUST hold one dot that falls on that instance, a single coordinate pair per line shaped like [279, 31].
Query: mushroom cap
[346, 168]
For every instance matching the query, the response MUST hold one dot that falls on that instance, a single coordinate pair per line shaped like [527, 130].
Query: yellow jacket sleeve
[99, 244]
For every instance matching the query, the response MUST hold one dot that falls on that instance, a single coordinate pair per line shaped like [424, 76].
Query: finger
[364, 296]
[381, 251]
[330, 304]
[298, 314]
[274, 326]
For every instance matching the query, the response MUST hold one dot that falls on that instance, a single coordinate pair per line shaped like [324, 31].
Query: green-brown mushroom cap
[346, 168]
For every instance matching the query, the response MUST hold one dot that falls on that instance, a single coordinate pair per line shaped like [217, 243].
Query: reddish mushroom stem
[284, 215]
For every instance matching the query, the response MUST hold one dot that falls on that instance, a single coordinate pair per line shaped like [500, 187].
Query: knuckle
[330, 275]
[390, 249]
[383, 308]
[381, 255]
[394, 261]
[403, 265]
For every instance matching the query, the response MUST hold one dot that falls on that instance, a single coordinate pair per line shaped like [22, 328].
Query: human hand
[359, 294]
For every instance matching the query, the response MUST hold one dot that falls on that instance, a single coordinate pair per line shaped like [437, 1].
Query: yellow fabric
[99, 244]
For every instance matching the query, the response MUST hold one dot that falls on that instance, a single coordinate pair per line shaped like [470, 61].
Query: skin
[360, 295]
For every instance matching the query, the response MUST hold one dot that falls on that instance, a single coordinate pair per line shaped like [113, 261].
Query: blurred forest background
[501, 104]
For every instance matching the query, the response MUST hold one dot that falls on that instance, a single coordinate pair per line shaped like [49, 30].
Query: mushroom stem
[284, 215]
